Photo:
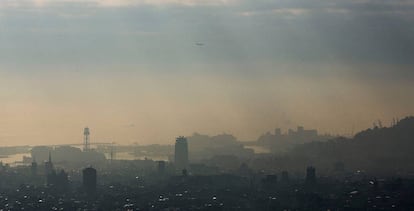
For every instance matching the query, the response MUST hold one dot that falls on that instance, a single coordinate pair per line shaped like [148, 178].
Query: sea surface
[18, 158]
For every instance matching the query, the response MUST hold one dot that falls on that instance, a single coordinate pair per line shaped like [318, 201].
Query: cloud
[341, 7]
[110, 3]
[237, 31]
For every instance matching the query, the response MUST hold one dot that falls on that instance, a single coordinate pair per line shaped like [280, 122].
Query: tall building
[311, 175]
[49, 165]
[161, 166]
[89, 179]
[59, 181]
[33, 167]
[285, 177]
[181, 153]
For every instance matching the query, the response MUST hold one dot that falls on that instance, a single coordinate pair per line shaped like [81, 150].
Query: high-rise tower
[161, 167]
[181, 153]
[89, 179]
[86, 139]
[49, 165]
[311, 175]
[33, 167]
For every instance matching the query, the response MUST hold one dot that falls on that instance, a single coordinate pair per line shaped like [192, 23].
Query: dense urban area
[297, 170]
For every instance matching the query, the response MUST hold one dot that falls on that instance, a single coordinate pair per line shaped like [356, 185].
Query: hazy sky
[132, 72]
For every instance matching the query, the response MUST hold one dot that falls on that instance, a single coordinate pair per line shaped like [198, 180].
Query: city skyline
[206, 105]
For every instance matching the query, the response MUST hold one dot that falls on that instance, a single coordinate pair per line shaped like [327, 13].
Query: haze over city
[148, 71]
[201, 105]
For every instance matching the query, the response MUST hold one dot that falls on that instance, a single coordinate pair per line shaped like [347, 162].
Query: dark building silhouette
[161, 166]
[59, 180]
[310, 175]
[67, 154]
[33, 168]
[89, 179]
[339, 167]
[270, 181]
[184, 172]
[244, 170]
[280, 142]
[302, 135]
[278, 132]
[181, 153]
[285, 177]
[49, 165]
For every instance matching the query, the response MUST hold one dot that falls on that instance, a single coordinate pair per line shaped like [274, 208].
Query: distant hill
[387, 150]
[280, 143]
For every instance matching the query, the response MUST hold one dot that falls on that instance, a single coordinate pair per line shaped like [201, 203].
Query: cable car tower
[86, 139]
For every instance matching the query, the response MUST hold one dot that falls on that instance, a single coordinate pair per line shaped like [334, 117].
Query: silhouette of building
[112, 153]
[270, 181]
[244, 170]
[184, 172]
[89, 179]
[310, 175]
[278, 132]
[339, 166]
[33, 167]
[303, 135]
[285, 177]
[181, 153]
[59, 180]
[49, 165]
[67, 154]
[161, 166]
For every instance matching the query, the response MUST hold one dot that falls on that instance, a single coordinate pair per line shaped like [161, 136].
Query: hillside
[387, 150]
